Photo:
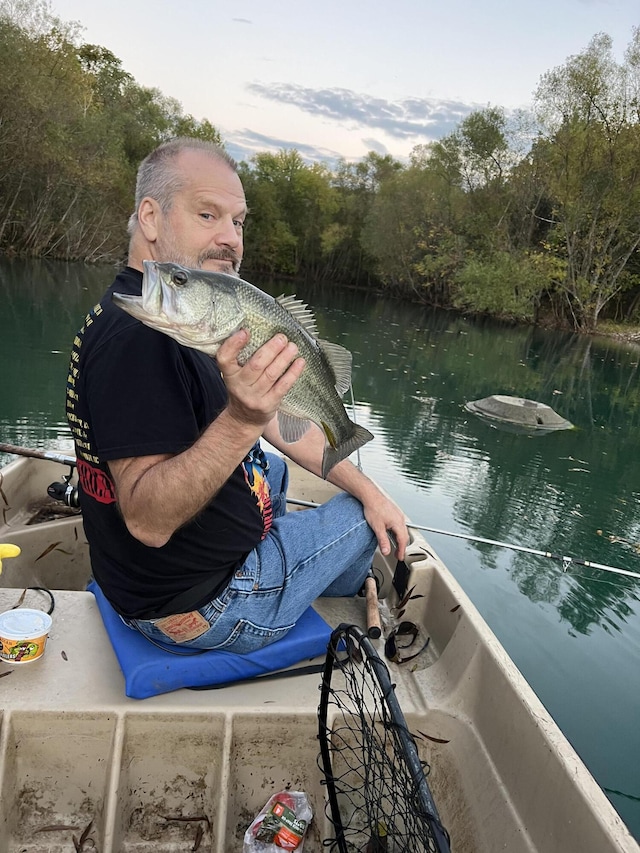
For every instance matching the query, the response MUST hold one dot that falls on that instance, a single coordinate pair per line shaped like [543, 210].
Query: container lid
[24, 624]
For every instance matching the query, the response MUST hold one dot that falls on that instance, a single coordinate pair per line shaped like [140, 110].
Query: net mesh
[379, 799]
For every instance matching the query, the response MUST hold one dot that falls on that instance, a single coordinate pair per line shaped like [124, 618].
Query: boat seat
[150, 670]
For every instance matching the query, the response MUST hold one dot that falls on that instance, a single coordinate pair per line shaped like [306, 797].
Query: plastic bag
[281, 824]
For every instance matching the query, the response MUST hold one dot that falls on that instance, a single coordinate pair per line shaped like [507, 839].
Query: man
[183, 512]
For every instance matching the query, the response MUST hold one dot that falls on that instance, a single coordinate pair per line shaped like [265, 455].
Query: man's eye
[207, 215]
[238, 224]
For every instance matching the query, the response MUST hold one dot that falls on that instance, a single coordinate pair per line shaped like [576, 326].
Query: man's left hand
[385, 517]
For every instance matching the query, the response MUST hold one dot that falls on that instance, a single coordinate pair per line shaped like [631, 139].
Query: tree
[588, 154]
[292, 205]
[398, 229]
[505, 285]
[74, 127]
[356, 184]
[36, 18]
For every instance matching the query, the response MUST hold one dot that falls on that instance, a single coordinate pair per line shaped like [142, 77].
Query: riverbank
[628, 334]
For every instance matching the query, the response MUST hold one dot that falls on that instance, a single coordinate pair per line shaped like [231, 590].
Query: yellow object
[8, 551]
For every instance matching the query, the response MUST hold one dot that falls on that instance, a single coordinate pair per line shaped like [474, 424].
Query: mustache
[220, 255]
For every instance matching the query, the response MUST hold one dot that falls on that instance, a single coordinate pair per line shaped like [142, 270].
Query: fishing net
[378, 797]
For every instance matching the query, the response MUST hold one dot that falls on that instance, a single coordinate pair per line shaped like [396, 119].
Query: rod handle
[374, 625]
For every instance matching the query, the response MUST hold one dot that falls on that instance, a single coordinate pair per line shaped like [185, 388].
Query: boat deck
[74, 749]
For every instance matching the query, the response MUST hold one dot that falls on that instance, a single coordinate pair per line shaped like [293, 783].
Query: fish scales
[313, 397]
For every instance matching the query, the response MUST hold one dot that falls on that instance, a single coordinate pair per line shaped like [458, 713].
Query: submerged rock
[522, 414]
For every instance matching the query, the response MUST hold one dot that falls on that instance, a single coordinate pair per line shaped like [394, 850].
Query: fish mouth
[150, 304]
[158, 306]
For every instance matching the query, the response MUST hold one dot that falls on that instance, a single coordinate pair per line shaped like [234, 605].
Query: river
[575, 635]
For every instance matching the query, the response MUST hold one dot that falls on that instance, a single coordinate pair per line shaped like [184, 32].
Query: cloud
[375, 145]
[241, 21]
[243, 144]
[411, 118]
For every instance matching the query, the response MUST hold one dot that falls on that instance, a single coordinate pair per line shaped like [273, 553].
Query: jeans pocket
[248, 637]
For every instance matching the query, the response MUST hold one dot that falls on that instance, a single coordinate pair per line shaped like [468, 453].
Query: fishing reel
[65, 492]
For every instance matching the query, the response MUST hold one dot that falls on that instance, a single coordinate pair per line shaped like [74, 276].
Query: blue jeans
[324, 551]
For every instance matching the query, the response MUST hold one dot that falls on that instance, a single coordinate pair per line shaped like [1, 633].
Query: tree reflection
[416, 368]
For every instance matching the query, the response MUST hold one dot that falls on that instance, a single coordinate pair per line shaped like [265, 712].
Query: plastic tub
[23, 635]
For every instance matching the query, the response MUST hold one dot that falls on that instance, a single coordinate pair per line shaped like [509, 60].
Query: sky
[339, 78]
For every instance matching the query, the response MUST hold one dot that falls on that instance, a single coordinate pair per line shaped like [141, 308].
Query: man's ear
[148, 218]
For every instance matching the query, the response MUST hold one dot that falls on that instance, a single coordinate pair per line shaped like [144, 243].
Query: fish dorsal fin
[300, 311]
[340, 362]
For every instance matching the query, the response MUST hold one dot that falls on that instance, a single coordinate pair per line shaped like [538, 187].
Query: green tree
[589, 154]
[292, 204]
[356, 185]
[506, 285]
[74, 127]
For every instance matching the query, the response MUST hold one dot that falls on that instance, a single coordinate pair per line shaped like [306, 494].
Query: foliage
[74, 127]
[291, 204]
[514, 215]
[503, 285]
[589, 165]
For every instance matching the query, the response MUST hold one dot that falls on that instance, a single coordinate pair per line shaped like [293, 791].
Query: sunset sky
[339, 79]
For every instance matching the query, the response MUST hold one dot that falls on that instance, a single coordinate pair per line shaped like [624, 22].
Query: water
[575, 636]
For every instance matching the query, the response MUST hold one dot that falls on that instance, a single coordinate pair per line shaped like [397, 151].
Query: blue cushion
[149, 670]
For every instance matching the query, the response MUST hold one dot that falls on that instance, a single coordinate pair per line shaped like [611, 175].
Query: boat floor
[75, 749]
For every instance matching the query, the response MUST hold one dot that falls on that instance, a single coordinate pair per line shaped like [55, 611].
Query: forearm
[346, 476]
[382, 514]
[158, 495]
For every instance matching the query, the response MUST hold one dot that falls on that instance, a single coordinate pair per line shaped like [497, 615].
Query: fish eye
[179, 278]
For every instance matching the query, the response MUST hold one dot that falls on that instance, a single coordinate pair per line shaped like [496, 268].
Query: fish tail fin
[334, 453]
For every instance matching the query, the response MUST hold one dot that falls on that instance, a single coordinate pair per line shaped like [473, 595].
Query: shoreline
[627, 336]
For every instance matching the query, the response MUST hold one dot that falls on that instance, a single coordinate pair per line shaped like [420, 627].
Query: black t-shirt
[133, 391]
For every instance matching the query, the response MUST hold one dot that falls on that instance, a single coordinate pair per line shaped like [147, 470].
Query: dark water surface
[575, 636]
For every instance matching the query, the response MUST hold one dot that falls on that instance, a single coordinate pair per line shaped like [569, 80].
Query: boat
[75, 751]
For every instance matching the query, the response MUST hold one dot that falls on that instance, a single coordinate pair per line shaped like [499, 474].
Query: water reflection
[415, 370]
[42, 304]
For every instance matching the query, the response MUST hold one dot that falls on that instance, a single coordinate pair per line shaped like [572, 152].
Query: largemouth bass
[201, 309]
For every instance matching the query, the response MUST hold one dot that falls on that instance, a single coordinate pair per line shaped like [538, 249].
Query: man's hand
[257, 388]
[385, 517]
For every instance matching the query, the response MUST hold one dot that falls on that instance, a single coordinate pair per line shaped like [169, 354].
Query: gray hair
[158, 177]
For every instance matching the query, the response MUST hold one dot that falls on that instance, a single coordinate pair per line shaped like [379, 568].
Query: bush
[504, 285]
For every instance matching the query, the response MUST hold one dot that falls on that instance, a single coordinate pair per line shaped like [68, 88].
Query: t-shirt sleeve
[140, 395]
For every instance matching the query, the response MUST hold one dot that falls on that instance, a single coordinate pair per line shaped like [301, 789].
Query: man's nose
[227, 233]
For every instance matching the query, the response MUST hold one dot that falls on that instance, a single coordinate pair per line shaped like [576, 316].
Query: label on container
[23, 634]
[22, 651]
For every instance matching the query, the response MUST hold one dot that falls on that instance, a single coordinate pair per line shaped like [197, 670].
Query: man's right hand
[257, 388]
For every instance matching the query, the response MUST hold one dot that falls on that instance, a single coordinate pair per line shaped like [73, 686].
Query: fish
[201, 309]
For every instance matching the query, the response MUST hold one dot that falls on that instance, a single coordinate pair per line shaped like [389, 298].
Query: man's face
[203, 228]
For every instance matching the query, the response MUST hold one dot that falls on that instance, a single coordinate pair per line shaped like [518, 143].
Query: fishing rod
[562, 558]
[565, 560]
[64, 492]
[38, 454]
